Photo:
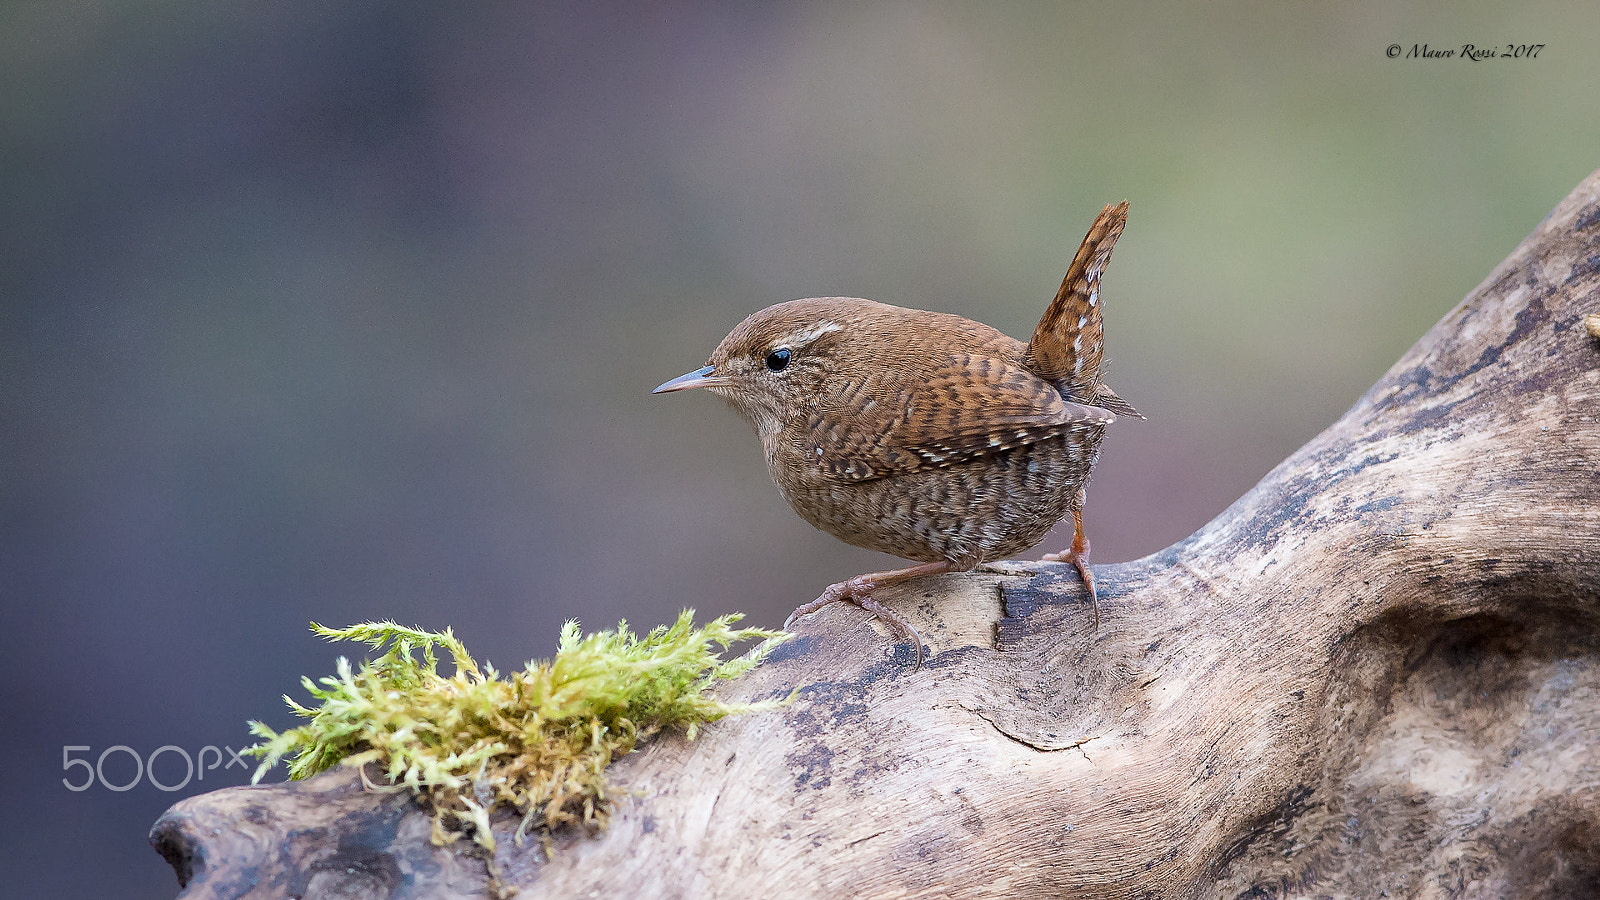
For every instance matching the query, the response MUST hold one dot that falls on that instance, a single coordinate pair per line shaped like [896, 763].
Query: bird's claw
[859, 591]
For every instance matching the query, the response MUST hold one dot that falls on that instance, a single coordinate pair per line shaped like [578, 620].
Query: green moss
[536, 741]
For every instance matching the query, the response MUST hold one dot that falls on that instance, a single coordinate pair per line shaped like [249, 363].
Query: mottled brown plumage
[925, 435]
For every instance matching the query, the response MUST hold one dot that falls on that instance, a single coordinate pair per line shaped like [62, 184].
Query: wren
[925, 435]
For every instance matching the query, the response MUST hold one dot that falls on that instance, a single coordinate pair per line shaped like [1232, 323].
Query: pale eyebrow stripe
[807, 335]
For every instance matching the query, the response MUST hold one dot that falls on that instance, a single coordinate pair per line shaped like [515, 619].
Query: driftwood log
[1376, 674]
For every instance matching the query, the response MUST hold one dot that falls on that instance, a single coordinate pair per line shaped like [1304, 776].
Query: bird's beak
[700, 377]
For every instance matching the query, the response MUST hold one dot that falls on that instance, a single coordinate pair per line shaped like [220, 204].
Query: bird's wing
[1106, 398]
[899, 420]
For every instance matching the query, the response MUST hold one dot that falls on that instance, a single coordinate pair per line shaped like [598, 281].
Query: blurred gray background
[347, 311]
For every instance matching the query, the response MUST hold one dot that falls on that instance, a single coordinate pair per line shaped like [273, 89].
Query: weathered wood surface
[1378, 671]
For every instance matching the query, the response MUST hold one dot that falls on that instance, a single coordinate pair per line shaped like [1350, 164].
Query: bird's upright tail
[1067, 346]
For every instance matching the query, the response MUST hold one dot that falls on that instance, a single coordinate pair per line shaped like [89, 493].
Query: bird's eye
[778, 359]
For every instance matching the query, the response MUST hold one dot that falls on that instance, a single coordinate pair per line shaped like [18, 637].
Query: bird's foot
[858, 590]
[1078, 555]
[1080, 561]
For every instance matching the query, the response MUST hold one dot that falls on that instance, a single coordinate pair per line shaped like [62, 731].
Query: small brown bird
[926, 435]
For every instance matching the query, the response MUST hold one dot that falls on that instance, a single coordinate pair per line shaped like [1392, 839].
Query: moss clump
[537, 741]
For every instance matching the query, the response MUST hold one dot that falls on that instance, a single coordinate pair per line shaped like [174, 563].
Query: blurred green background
[344, 311]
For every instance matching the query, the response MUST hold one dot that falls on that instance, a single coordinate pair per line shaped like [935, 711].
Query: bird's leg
[1079, 556]
[858, 590]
